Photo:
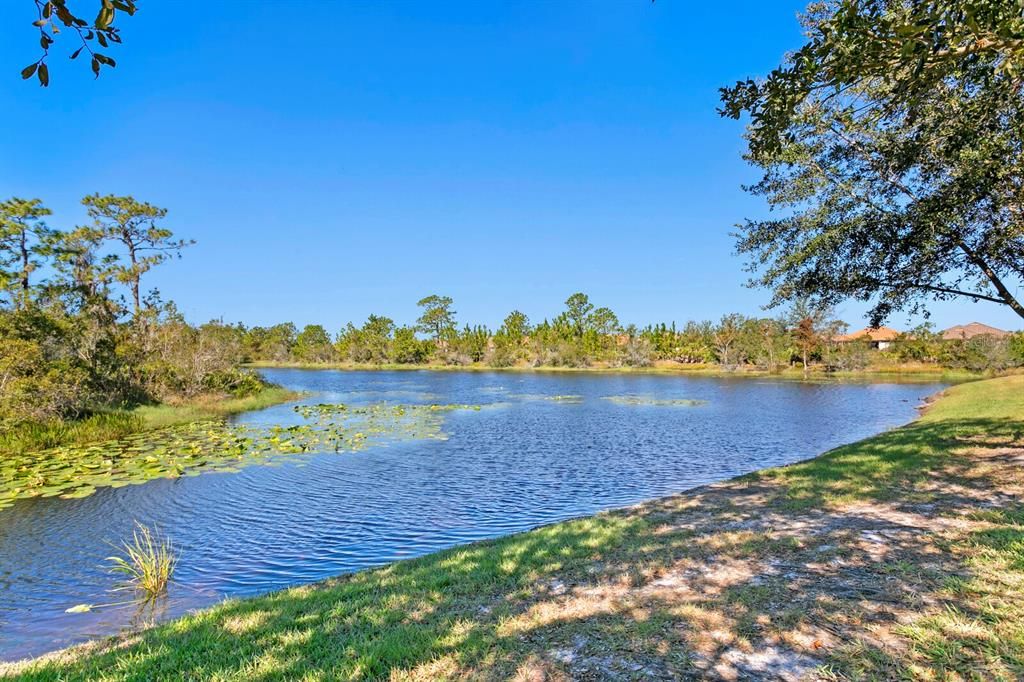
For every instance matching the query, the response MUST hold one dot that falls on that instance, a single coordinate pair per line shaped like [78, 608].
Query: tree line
[79, 331]
[584, 334]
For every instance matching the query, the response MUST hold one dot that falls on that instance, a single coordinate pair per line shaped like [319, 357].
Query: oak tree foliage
[892, 151]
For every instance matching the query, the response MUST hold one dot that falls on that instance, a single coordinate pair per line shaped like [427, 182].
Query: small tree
[472, 342]
[406, 348]
[920, 344]
[811, 327]
[370, 343]
[637, 351]
[696, 342]
[438, 318]
[515, 328]
[279, 341]
[24, 239]
[726, 336]
[577, 313]
[1015, 346]
[133, 224]
[509, 340]
[313, 344]
[774, 343]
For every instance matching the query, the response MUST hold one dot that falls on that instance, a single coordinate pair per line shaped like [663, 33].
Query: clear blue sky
[351, 161]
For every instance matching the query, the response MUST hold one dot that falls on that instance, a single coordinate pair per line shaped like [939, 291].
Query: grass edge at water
[114, 424]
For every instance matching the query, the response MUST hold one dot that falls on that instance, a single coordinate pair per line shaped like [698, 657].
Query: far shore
[906, 372]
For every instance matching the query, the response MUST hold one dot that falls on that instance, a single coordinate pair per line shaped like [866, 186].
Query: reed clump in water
[148, 562]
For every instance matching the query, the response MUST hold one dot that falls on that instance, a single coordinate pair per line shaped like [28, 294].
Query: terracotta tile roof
[969, 331]
[872, 334]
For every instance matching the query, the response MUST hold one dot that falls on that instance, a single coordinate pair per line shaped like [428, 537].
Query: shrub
[636, 353]
[979, 354]
[238, 382]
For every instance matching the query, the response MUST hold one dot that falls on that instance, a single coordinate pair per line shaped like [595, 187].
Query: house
[962, 332]
[877, 337]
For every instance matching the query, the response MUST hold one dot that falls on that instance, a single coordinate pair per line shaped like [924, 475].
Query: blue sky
[349, 162]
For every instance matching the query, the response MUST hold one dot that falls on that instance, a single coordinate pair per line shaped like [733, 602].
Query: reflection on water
[554, 446]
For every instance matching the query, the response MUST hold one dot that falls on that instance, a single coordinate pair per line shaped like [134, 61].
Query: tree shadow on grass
[830, 562]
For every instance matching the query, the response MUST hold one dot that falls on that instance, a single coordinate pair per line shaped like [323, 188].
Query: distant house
[877, 337]
[962, 332]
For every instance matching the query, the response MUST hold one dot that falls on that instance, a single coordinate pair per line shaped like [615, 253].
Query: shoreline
[909, 373]
[769, 516]
[117, 424]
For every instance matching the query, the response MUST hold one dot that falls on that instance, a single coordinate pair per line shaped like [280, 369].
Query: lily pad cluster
[654, 402]
[565, 399]
[190, 449]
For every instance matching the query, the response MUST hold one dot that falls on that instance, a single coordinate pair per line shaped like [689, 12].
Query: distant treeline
[584, 335]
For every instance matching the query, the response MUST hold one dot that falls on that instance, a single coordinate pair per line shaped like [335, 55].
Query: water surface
[527, 459]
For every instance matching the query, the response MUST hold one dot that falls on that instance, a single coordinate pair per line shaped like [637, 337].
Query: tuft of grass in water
[148, 562]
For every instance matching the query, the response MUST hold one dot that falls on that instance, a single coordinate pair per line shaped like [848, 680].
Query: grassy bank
[897, 557]
[114, 424]
[890, 372]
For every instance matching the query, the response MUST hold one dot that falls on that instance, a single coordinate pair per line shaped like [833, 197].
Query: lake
[544, 447]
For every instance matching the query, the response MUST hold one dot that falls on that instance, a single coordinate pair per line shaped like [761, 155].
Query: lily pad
[654, 402]
[75, 472]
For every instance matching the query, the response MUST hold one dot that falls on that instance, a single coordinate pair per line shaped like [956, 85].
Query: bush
[563, 354]
[636, 353]
[979, 354]
[238, 382]
[502, 355]
[35, 389]
[846, 357]
[1016, 349]
[407, 349]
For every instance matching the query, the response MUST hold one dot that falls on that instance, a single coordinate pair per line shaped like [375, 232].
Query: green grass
[892, 463]
[506, 608]
[156, 416]
[114, 424]
[43, 435]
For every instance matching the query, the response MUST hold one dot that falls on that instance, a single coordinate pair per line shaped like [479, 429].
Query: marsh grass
[115, 424]
[43, 435]
[211, 407]
[148, 562]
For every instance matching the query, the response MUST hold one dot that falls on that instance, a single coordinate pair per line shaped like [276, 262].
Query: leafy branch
[54, 16]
